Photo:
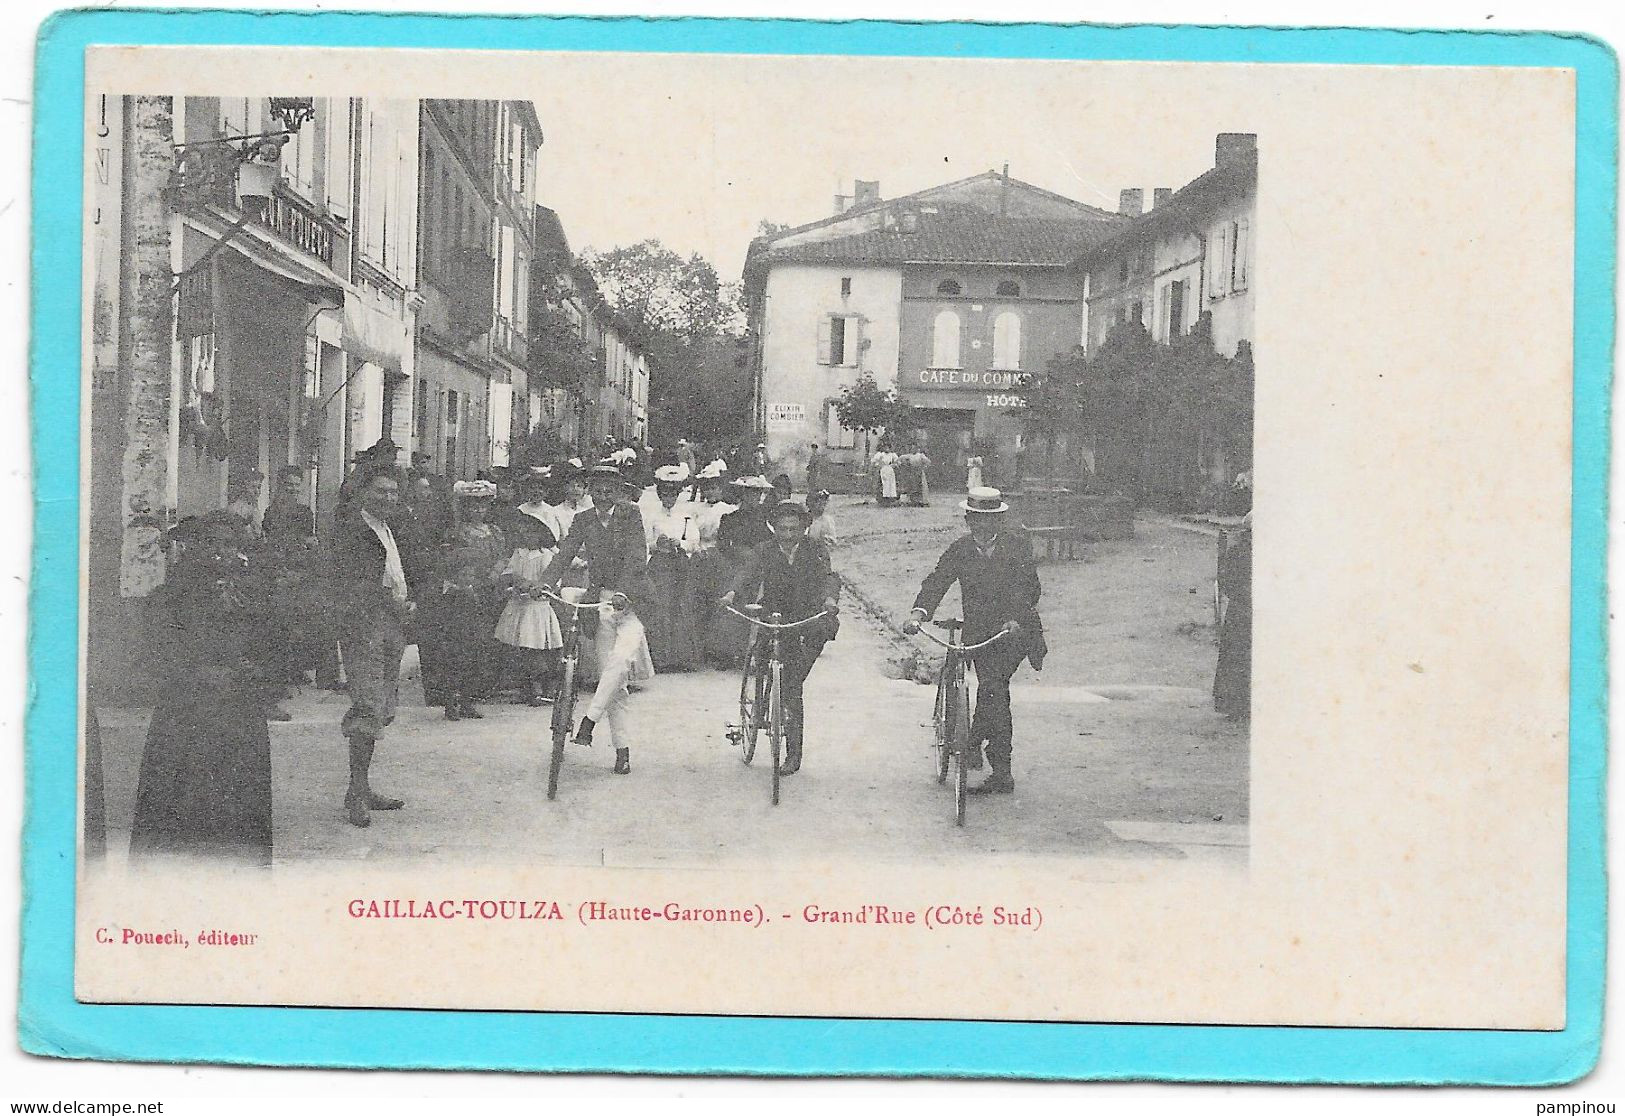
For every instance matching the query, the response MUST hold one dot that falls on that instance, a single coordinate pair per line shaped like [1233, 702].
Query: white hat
[985, 500]
[671, 474]
[754, 480]
[478, 489]
[713, 471]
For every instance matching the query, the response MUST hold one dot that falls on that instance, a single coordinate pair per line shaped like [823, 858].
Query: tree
[864, 406]
[693, 327]
[559, 353]
[1053, 403]
[766, 228]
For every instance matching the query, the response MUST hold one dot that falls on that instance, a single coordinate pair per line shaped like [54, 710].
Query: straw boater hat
[474, 490]
[605, 468]
[672, 474]
[987, 501]
[753, 480]
[713, 472]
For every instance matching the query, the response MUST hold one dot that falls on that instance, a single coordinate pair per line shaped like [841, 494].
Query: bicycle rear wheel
[752, 707]
[941, 740]
[960, 714]
[775, 730]
[564, 704]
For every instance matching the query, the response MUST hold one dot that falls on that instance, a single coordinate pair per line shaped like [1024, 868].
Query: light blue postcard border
[51, 1022]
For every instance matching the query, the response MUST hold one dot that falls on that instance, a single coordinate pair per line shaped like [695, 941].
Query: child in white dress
[528, 622]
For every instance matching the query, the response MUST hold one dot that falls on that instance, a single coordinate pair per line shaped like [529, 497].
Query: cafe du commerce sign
[1001, 389]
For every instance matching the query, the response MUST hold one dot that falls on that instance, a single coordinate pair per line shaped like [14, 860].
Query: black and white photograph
[735, 534]
[511, 479]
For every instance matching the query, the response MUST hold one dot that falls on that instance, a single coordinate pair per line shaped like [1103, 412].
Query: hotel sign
[1001, 389]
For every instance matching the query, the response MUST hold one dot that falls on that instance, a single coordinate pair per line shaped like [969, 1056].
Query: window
[950, 287]
[1238, 257]
[1007, 341]
[1008, 288]
[1175, 316]
[945, 340]
[846, 285]
[838, 340]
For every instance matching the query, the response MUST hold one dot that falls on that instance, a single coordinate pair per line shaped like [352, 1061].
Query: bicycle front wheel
[940, 723]
[960, 715]
[775, 730]
[752, 708]
[564, 703]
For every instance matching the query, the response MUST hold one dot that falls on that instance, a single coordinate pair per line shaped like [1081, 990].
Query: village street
[1118, 753]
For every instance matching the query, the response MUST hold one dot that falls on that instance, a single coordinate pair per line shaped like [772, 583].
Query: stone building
[476, 198]
[951, 295]
[251, 264]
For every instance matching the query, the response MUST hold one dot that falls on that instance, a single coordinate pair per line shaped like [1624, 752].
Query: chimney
[1232, 147]
[843, 202]
[865, 193]
[1161, 196]
[1130, 203]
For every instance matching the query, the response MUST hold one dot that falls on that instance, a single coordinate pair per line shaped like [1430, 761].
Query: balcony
[298, 222]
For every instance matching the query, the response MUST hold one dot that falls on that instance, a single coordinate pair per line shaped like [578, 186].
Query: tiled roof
[956, 235]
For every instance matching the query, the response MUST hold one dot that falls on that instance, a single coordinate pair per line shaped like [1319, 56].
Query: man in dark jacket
[609, 535]
[998, 582]
[793, 578]
[373, 605]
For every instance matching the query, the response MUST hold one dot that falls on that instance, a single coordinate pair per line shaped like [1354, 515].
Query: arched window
[950, 287]
[1008, 288]
[945, 340]
[1007, 341]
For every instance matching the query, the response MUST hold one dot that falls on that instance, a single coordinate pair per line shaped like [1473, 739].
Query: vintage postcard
[648, 531]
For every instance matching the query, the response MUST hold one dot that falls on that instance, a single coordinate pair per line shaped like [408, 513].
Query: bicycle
[564, 700]
[761, 688]
[951, 717]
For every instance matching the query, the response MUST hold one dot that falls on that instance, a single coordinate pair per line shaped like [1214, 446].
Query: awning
[371, 334]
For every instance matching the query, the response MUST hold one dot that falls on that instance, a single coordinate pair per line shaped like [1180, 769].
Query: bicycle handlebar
[777, 627]
[965, 646]
[578, 605]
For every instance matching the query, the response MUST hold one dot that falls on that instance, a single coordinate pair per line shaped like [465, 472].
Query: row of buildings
[954, 295]
[286, 281]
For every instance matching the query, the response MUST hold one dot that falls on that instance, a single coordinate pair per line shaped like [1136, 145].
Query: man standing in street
[371, 596]
[998, 582]
[793, 578]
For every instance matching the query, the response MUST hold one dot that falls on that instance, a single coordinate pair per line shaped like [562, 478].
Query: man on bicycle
[792, 576]
[998, 582]
[609, 535]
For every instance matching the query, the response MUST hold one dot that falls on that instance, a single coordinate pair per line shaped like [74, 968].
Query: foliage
[559, 353]
[693, 328]
[764, 228]
[1156, 414]
[864, 406]
[672, 297]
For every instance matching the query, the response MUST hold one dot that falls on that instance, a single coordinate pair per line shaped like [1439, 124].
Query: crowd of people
[468, 571]
[475, 573]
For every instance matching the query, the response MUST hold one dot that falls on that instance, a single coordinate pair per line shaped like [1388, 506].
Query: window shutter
[854, 342]
[1243, 249]
[1221, 263]
[823, 338]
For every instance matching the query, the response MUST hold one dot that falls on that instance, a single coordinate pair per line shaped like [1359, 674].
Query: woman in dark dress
[205, 784]
[1233, 680]
[738, 536]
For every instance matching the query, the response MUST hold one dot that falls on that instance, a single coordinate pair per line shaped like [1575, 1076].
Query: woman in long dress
[672, 531]
[739, 533]
[886, 466]
[475, 532]
[205, 784]
[973, 472]
[1233, 680]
